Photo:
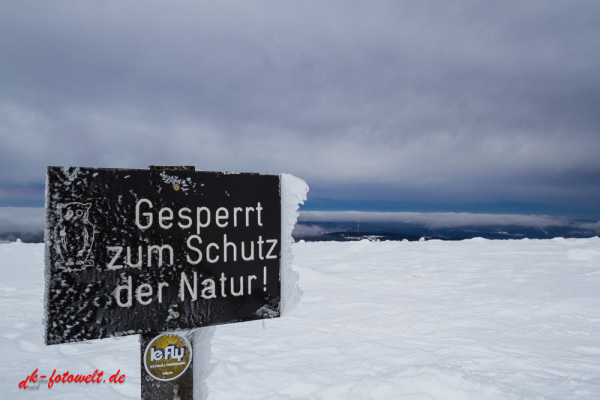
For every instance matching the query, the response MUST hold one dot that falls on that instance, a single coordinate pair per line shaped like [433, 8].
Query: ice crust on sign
[293, 193]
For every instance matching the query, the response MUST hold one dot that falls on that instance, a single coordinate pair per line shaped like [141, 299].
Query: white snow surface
[476, 319]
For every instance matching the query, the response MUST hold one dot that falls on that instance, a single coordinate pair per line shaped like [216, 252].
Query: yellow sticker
[167, 357]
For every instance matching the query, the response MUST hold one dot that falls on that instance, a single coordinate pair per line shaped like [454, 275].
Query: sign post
[167, 373]
[146, 251]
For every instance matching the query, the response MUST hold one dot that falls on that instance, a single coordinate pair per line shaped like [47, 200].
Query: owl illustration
[74, 234]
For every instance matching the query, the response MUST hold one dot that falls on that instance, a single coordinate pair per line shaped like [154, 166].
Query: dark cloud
[389, 101]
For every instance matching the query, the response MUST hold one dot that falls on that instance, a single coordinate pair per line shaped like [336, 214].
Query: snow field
[476, 319]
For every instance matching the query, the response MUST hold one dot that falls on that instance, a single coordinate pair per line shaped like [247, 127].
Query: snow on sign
[139, 251]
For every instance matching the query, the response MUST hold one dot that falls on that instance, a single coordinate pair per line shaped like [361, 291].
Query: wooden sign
[139, 251]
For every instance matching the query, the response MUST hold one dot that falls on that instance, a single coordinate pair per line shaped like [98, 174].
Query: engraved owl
[74, 234]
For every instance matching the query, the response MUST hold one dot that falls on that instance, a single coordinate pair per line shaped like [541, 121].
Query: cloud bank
[27, 223]
[440, 220]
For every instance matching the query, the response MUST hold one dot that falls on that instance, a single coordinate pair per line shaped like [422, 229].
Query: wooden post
[154, 384]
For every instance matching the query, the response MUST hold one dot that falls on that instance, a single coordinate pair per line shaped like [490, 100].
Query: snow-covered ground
[476, 319]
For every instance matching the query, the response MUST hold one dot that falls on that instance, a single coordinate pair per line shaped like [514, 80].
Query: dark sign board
[139, 251]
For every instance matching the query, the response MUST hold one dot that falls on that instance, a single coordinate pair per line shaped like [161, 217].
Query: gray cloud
[25, 220]
[308, 230]
[395, 100]
[440, 220]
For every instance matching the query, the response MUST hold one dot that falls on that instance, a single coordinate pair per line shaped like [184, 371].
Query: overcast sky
[400, 105]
